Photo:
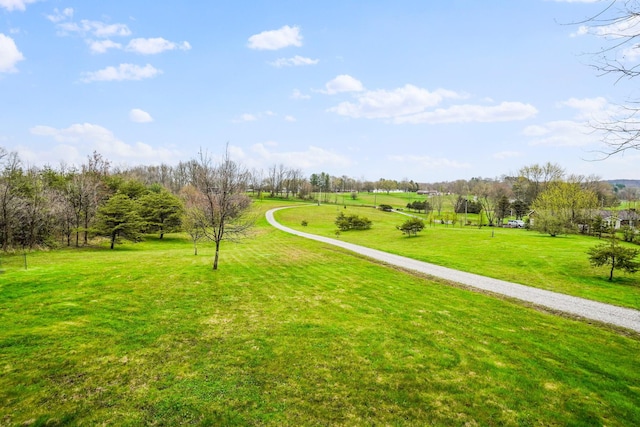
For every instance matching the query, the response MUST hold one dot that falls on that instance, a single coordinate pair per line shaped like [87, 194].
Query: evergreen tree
[615, 256]
[119, 218]
[161, 211]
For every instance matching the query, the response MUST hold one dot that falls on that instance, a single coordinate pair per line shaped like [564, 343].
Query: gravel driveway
[619, 316]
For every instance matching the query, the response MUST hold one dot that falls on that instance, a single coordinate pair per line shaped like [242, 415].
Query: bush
[352, 222]
[419, 206]
[411, 226]
[628, 234]
[386, 208]
[304, 223]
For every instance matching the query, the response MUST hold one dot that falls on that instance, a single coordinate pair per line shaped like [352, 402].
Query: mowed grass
[289, 332]
[555, 263]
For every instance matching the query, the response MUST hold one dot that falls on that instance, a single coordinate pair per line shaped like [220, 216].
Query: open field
[555, 263]
[289, 332]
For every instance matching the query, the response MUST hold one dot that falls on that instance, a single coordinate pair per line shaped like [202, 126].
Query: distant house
[617, 219]
[428, 192]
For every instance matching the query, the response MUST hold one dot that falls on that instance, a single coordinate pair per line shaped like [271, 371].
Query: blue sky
[428, 91]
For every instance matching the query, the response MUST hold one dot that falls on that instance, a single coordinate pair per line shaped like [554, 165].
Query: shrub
[304, 223]
[386, 208]
[352, 222]
[628, 233]
[411, 226]
[419, 206]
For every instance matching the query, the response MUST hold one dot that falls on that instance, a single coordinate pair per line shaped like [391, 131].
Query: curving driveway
[588, 309]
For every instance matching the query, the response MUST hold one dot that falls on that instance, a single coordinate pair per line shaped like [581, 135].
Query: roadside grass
[558, 264]
[289, 332]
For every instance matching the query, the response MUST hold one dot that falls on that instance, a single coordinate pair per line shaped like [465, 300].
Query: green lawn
[554, 263]
[289, 332]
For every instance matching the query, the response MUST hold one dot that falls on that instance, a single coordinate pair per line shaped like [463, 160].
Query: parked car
[515, 223]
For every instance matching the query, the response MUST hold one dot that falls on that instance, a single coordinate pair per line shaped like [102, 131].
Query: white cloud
[343, 83]
[590, 108]
[15, 4]
[313, 157]
[631, 54]
[296, 94]
[619, 28]
[59, 16]
[140, 116]
[248, 117]
[503, 112]
[385, 104]
[296, 61]
[576, 131]
[9, 54]
[101, 46]
[151, 46]
[122, 72]
[561, 133]
[411, 104]
[502, 155]
[91, 137]
[276, 39]
[289, 119]
[429, 162]
[95, 28]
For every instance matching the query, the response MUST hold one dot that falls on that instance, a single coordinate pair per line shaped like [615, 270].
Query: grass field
[289, 332]
[554, 263]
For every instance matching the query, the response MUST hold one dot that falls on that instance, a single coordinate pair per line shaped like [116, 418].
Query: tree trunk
[613, 265]
[86, 232]
[215, 259]
[113, 239]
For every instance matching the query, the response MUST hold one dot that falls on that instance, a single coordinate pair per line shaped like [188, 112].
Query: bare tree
[275, 180]
[619, 25]
[9, 176]
[224, 203]
[194, 218]
[533, 179]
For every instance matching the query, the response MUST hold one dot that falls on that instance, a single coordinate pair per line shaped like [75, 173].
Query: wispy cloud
[576, 131]
[276, 39]
[296, 94]
[103, 31]
[152, 46]
[251, 117]
[264, 154]
[94, 28]
[88, 136]
[429, 162]
[503, 155]
[15, 4]
[122, 72]
[503, 112]
[296, 61]
[60, 15]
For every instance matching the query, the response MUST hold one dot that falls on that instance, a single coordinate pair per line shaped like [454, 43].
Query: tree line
[69, 205]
